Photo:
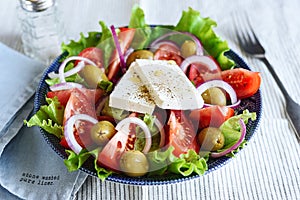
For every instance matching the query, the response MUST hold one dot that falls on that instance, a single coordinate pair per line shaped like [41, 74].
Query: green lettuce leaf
[75, 161]
[140, 139]
[75, 47]
[107, 86]
[231, 128]
[49, 117]
[73, 78]
[187, 164]
[106, 43]
[159, 161]
[102, 173]
[143, 31]
[192, 22]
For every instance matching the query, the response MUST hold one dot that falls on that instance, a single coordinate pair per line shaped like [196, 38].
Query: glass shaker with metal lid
[42, 29]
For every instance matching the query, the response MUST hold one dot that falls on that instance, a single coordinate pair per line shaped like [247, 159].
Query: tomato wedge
[212, 116]
[181, 134]
[168, 52]
[80, 103]
[245, 82]
[125, 38]
[64, 95]
[117, 145]
[112, 151]
[94, 54]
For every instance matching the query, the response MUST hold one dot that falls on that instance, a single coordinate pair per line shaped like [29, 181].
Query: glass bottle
[42, 29]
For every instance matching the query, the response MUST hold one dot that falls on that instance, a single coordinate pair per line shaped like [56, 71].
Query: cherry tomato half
[198, 73]
[168, 52]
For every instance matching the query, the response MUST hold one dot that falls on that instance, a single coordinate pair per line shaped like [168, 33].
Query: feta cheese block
[169, 87]
[131, 94]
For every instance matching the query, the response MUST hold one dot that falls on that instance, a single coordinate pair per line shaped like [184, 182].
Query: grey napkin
[29, 168]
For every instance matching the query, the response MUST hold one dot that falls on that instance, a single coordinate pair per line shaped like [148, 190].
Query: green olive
[188, 48]
[102, 131]
[139, 54]
[214, 96]
[92, 75]
[211, 139]
[134, 163]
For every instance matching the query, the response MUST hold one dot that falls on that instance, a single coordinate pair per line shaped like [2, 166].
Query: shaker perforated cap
[36, 5]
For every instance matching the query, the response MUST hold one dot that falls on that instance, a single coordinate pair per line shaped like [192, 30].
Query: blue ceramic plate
[253, 104]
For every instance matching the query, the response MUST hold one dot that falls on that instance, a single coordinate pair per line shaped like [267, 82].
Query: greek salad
[148, 100]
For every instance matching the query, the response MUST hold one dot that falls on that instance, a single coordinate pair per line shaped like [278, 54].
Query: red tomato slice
[168, 52]
[117, 145]
[181, 134]
[94, 54]
[112, 151]
[125, 39]
[198, 73]
[63, 95]
[79, 103]
[245, 83]
[212, 116]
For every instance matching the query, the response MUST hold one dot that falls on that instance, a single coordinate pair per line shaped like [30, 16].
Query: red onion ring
[65, 86]
[220, 84]
[72, 71]
[118, 47]
[142, 125]
[236, 145]
[61, 69]
[205, 60]
[127, 53]
[68, 130]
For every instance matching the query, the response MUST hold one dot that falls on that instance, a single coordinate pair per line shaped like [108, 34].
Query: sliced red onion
[127, 53]
[61, 69]
[134, 120]
[204, 60]
[69, 130]
[220, 84]
[118, 47]
[72, 71]
[236, 145]
[162, 132]
[65, 86]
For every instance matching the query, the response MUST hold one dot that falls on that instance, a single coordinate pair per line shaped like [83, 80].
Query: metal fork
[251, 45]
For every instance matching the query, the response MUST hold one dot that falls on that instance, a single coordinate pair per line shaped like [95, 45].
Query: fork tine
[252, 36]
[242, 33]
[256, 40]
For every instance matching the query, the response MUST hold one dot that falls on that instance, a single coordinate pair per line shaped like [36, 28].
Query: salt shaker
[42, 29]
